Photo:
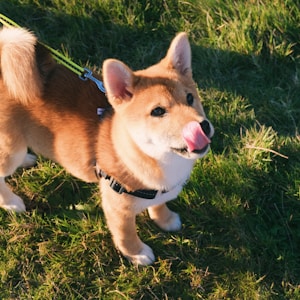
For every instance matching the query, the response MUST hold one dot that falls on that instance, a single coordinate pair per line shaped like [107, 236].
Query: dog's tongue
[194, 136]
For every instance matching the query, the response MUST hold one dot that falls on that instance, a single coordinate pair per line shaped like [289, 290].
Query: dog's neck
[144, 167]
[123, 160]
[112, 157]
[176, 170]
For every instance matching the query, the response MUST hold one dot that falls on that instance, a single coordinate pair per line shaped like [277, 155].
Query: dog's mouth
[184, 151]
[196, 140]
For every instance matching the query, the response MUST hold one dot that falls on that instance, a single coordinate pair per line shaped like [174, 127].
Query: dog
[141, 149]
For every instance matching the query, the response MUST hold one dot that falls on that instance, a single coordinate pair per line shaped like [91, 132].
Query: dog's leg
[8, 164]
[9, 200]
[164, 217]
[123, 229]
[120, 217]
[29, 161]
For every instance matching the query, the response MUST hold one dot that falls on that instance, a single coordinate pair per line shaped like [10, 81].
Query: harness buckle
[117, 187]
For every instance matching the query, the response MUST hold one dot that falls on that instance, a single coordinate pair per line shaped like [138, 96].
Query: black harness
[118, 188]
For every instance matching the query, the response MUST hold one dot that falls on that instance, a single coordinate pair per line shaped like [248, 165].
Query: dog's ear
[179, 54]
[117, 78]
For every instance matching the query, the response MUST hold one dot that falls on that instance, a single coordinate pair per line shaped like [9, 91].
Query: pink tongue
[194, 136]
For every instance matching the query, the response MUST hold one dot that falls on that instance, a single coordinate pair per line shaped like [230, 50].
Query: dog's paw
[29, 161]
[144, 257]
[173, 223]
[15, 204]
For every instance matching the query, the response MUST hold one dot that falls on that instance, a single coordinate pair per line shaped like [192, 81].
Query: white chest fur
[176, 170]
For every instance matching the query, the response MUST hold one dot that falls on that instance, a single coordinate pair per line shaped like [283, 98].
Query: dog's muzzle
[196, 136]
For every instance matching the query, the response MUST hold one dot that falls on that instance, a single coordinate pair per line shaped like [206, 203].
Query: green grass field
[241, 208]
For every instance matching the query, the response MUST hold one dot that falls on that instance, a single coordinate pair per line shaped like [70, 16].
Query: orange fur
[22, 80]
[46, 107]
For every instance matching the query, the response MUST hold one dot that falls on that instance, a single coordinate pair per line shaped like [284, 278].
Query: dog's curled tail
[19, 70]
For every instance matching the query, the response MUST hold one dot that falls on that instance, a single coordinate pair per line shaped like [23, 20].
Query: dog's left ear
[117, 78]
[179, 54]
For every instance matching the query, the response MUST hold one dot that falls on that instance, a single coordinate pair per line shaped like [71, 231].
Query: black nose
[205, 127]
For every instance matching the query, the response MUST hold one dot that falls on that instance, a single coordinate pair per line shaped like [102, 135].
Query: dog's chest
[176, 170]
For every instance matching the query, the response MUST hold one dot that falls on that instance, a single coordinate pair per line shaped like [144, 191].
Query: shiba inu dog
[141, 149]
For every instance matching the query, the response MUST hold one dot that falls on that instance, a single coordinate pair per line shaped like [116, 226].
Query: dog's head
[159, 107]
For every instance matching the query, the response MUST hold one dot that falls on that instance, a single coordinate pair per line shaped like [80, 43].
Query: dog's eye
[158, 112]
[190, 99]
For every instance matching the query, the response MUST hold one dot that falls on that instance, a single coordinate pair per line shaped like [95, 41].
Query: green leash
[83, 73]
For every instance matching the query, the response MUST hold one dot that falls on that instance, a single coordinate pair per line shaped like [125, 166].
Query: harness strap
[118, 188]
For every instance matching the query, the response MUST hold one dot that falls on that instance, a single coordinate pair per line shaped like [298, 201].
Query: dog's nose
[205, 127]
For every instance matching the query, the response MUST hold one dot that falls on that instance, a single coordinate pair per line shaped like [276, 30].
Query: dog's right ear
[179, 54]
[117, 78]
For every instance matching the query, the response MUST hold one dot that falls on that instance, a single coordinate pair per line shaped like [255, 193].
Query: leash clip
[88, 74]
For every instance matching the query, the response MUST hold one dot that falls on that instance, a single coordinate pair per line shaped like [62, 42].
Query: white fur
[176, 169]
[8, 200]
[9, 163]
[17, 45]
[29, 161]
[172, 224]
[161, 198]
[145, 257]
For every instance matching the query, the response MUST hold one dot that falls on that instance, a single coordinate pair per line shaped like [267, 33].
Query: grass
[241, 208]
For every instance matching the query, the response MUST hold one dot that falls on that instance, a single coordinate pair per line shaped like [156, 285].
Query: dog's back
[19, 70]
[43, 105]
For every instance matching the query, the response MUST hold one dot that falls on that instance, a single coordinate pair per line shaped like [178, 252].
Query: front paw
[173, 223]
[144, 257]
[15, 204]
